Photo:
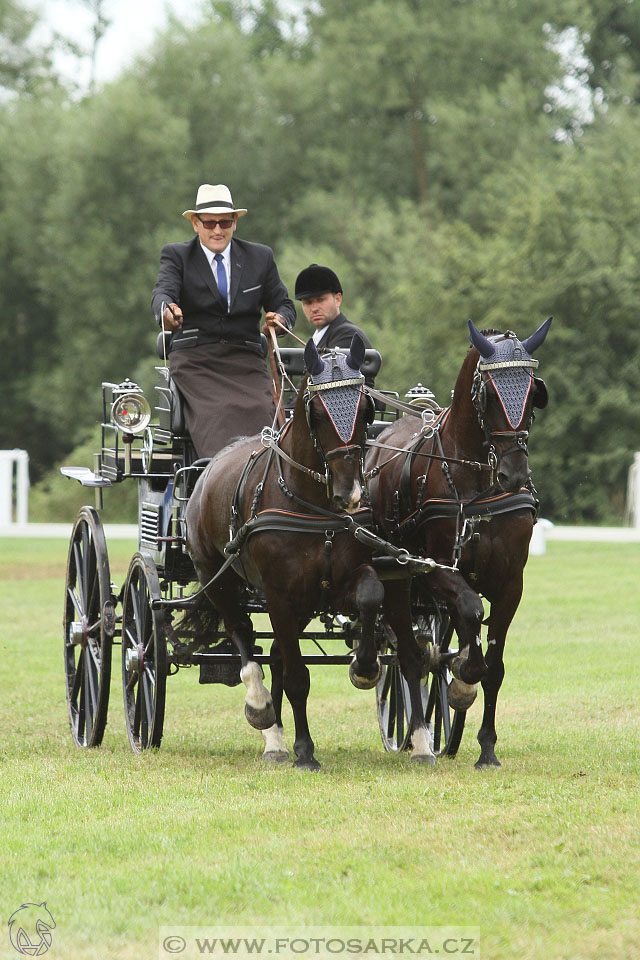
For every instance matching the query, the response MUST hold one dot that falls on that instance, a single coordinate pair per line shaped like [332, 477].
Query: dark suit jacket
[340, 334]
[186, 278]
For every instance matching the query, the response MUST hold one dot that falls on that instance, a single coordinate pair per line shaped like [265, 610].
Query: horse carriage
[281, 524]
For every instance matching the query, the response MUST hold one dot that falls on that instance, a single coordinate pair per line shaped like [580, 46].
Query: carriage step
[222, 664]
[227, 673]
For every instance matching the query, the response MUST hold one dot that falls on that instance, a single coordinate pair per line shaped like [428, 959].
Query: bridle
[271, 439]
[481, 379]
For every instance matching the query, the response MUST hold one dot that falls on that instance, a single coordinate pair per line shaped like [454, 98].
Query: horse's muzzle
[351, 501]
[512, 477]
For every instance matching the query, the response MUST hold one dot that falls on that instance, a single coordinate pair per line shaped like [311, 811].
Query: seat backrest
[293, 361]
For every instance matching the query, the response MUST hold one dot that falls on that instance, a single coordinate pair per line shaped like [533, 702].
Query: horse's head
[338, 412]
[504, 393]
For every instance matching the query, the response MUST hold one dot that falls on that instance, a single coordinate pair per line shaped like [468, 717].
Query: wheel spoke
[77, 679]
[431, 700]
[81, 701]
[76, 600]
[148, 682]
[399, 709]
[90, 692]
[444, 700]
[83, 574]
[138, 716]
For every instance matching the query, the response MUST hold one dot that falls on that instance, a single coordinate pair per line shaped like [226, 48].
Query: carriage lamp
[419, 396]
[131, 412]
[424, 400]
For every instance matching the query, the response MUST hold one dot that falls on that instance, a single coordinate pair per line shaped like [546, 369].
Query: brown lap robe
[226, 392]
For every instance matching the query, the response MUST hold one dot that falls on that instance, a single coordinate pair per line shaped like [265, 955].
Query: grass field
[542, 855]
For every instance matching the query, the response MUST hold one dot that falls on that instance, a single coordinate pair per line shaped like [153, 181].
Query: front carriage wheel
[392, 693]
[144, 656]
[89, 624]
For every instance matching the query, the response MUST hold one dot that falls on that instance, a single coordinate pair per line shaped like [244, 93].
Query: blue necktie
[222, 279]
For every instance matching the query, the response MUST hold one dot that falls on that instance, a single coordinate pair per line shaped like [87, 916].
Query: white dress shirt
[226, 262]
[319, 334]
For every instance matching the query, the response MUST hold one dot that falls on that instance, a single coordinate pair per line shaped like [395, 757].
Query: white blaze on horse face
[355, 498]
[257, 696]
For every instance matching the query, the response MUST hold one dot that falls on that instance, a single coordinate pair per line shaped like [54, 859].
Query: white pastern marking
[257, 696]
[422, 743]
[273, 742]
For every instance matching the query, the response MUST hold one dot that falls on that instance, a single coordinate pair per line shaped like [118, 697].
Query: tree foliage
[413, 145]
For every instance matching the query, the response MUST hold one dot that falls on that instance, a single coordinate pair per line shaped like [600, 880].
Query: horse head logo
[30, 929]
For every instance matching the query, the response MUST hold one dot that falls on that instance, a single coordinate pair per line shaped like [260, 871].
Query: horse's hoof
[426, 758]
[260, 719]
[311, 765]
[275, 756]
[460, 694]
[364, 683]
[491, 764]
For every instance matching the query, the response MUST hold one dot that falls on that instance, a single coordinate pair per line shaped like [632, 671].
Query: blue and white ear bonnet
[334, 378]
[509, 365]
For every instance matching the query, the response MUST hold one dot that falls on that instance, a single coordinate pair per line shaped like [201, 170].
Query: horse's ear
[484, 347]
[540, 393]
[355, 357]
[532, 343]
[312, 359]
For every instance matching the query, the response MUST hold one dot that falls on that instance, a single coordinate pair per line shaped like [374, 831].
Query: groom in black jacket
[320, 294]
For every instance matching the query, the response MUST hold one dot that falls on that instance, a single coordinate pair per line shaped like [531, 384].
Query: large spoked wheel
[392, 693]
[144, 656]
[445, 724]
[392, 697]
[89, 623]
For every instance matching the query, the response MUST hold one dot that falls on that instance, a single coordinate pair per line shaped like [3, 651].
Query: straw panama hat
[214, 199]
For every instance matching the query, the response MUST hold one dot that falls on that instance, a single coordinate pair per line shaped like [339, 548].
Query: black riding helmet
[315, 280]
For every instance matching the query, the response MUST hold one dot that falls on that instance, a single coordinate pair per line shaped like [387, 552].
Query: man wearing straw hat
[210, 294]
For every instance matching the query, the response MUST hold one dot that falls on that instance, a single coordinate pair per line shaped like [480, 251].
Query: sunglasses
[212, 224]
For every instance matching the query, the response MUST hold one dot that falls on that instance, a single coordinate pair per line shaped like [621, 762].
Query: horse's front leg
[224, 593]
[295, 676]
[275, 750]
[368, 595]
[502, 613]
[467, 612]
[397, 611]
[258, 706]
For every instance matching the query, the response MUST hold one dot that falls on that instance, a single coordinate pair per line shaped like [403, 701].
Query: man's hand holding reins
[172, 317]
[273, 321]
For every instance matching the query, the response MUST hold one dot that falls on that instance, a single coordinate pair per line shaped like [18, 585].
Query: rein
[270, 439]
[429, 431]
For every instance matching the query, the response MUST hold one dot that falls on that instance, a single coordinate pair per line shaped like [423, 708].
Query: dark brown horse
[292, 509]
[460, 489]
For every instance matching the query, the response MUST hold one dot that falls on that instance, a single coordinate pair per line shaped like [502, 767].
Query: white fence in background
[14, 486]
[632, 512]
